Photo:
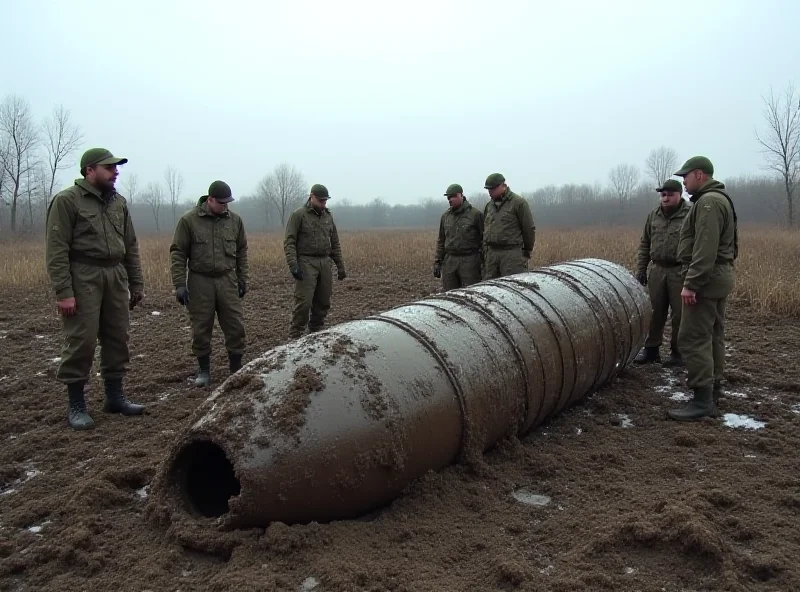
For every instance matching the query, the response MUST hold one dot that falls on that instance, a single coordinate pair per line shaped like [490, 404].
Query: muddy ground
[636, 502]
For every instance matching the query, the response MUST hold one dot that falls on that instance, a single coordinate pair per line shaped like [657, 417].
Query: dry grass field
[768, 268]
[637, 502]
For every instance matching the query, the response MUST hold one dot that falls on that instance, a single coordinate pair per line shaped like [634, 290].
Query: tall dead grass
[768, 269]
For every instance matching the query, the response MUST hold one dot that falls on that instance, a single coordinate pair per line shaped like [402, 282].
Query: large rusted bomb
[337, 423]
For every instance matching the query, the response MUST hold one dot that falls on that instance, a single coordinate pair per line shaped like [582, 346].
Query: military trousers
[665, 285]
[701, 340]
[101, 299]
[312, 294]
[460, 271]
[503, 262]
[210, 296]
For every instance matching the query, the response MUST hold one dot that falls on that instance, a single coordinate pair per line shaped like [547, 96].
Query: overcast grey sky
[400, 99]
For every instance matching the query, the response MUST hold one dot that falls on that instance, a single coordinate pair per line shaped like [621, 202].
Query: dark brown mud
[636, 502]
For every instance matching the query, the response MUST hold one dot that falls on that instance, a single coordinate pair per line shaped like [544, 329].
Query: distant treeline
[758, 200]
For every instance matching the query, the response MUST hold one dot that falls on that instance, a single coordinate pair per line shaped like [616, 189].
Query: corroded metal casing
[337, 423]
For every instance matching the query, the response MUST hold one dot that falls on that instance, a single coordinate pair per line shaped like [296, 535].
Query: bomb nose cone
[338, 423]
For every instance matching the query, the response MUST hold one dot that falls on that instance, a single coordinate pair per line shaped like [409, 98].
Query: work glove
[437, 270]
[641, 277]
[342, 274]
[136, 298]
[182, 295]
[242, 288]
[296, 271]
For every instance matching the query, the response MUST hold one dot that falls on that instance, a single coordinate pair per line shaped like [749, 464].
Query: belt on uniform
[503, 247]
[94, 261]
[317, 255]
[462, 253]
[667, 263]
[214, 274]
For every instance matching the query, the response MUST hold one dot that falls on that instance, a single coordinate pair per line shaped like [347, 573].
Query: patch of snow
[529, 498]
[139, 356]
[155, 313]
[310, 583]
[2, 378]
[733, 420]
[578, 431]
[737, 394]
[795, 408]
[40, 373]
[39, 336]
[37, 528]
[630, 570]
[142, 493]
[662, 389]
[681, 396]
[164, 396]
[750, 456]
[625, 421]
[56, 360]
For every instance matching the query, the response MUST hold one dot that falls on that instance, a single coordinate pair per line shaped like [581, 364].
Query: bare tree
[781, 142]
[174, 181]
[61, 140]
[131, 185]
[284, 189]
[660, 164]
[623, 179]
[154, 197]
[19, 139]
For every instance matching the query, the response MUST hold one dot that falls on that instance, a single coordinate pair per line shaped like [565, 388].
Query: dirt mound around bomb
[609, 495]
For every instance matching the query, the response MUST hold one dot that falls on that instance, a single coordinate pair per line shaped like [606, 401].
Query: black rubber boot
[77, 417]
[647, 355]
[702, 405]
[116, 402]
[234, 362]
[718, 392]
[204, 371]
[674, 359]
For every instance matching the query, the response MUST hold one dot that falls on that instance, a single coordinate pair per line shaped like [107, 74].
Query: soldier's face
[214, 206]
[670, 199]
[693, 181]
[317, 203]
[103, 176]
[455, 200]
[497, 192]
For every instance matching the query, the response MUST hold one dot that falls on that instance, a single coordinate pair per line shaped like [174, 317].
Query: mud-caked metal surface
[337, 423]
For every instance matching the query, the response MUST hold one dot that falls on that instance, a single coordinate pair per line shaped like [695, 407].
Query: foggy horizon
[397, 103]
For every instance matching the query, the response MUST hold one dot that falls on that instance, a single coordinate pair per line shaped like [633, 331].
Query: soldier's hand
[242, 289]
[342, 274]
[296, 272]
[437, 270]
[67, 307]
[641, 277]
[182, 295]
[136, 298]
[688, 297]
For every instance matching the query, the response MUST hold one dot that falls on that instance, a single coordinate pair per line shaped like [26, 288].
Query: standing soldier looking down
[458, 248]
[659, 244]
[213, 241]
[93, 262]
[509, 230]
[310, 243]
[709, 245]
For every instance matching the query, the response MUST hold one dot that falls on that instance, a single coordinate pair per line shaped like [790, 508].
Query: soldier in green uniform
[92, 258]
[213, 241]
[708, 247]
[460, 242]
[659, 244]
[311, 242]
[509, 230]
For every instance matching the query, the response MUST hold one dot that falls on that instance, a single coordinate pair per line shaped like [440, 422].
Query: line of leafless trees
[33, 153]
